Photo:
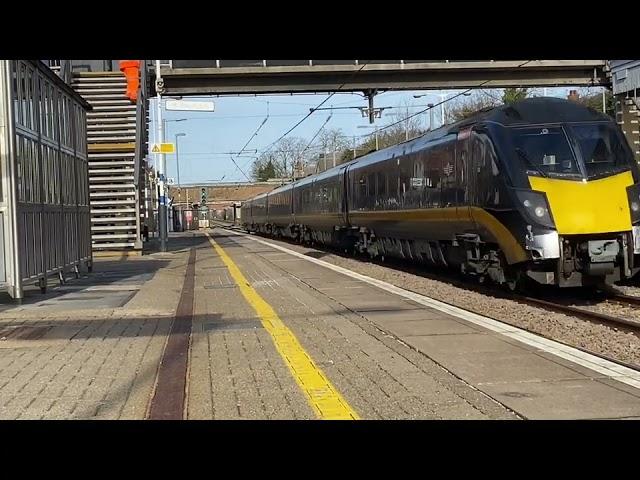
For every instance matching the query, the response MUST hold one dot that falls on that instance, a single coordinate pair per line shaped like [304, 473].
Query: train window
[602, 148]
[545, 150]
[382, 185]
[477, 155]
[362, 191]
[406, 172]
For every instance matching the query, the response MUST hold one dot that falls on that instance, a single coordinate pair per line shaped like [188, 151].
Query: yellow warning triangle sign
[155, 149]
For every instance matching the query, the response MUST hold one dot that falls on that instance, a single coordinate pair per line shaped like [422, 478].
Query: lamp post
[431, 109]
[178, 159]
[164, 125]
[443, 101]
[162, 199]
[443, 97]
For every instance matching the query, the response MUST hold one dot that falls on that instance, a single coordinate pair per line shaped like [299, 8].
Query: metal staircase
[113, 170]
[628, 117]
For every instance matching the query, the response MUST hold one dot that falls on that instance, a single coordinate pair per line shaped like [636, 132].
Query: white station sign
[189, 105]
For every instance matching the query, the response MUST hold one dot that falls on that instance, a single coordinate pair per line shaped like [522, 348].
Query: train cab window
[602, 148]
[545, 151]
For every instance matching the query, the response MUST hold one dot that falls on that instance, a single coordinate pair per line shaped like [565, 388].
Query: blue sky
[210, 134]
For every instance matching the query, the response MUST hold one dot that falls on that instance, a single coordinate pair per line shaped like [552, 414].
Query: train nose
[592, 207]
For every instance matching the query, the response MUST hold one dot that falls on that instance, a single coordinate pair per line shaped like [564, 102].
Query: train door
[464, 181]
[344, 194]
[295, 202]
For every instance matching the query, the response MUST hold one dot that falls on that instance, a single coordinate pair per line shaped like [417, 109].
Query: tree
[408, 127]
[330, 142]
[465, 107]
[285, 157]
[332, 139]
[290, 154]
[263, 171]
[593, 99]
[404, 125]
[512, 95]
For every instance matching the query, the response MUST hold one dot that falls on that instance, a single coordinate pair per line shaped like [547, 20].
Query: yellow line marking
[321, 394]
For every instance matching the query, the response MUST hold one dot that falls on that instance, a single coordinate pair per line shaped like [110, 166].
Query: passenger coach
[544, 188]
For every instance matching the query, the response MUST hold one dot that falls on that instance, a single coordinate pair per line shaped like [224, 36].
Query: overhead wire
[442, 102]
[245, 146]
[312, 110]
[242, 171]
[317, 133]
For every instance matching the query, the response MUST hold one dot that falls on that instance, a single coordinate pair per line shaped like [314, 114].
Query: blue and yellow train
[544, 188]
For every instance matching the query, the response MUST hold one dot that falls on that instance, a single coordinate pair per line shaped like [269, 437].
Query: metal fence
[44, 198]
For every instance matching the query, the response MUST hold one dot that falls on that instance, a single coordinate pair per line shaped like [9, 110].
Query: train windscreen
[602, 149]
[546, 151]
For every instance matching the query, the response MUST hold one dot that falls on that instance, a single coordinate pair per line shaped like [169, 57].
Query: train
[544, 190]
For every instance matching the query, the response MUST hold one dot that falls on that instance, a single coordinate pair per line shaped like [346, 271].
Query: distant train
[544, 188]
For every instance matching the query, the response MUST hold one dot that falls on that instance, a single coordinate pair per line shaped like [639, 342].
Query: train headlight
[536, 207]
[633, 193]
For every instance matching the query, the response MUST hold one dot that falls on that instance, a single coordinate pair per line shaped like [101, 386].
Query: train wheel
[515, 281]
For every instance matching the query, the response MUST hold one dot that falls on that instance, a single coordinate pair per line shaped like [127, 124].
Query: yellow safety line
[321, 394]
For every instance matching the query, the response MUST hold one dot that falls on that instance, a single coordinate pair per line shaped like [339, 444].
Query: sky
[203, 156]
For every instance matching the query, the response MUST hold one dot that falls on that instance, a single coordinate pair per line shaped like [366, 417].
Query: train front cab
[578, 192]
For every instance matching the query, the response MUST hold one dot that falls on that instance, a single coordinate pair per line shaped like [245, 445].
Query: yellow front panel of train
[596, 206]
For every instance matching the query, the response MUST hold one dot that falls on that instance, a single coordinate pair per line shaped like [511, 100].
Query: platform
[234, 326]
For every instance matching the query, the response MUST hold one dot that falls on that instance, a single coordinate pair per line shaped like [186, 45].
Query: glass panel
[30, 99]
[546, 151]
[602, 149]
[22, 119]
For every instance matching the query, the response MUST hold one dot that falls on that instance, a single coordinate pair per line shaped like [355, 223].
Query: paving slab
[566, 399]
[92, 348]
[510, 372]
[376, 380]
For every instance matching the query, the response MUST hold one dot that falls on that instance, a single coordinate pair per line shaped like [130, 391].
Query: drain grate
[83, 297]
[227, 326]
[24, 333]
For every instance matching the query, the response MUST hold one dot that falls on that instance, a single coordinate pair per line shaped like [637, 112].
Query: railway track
[625, 299]
[587, 314]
